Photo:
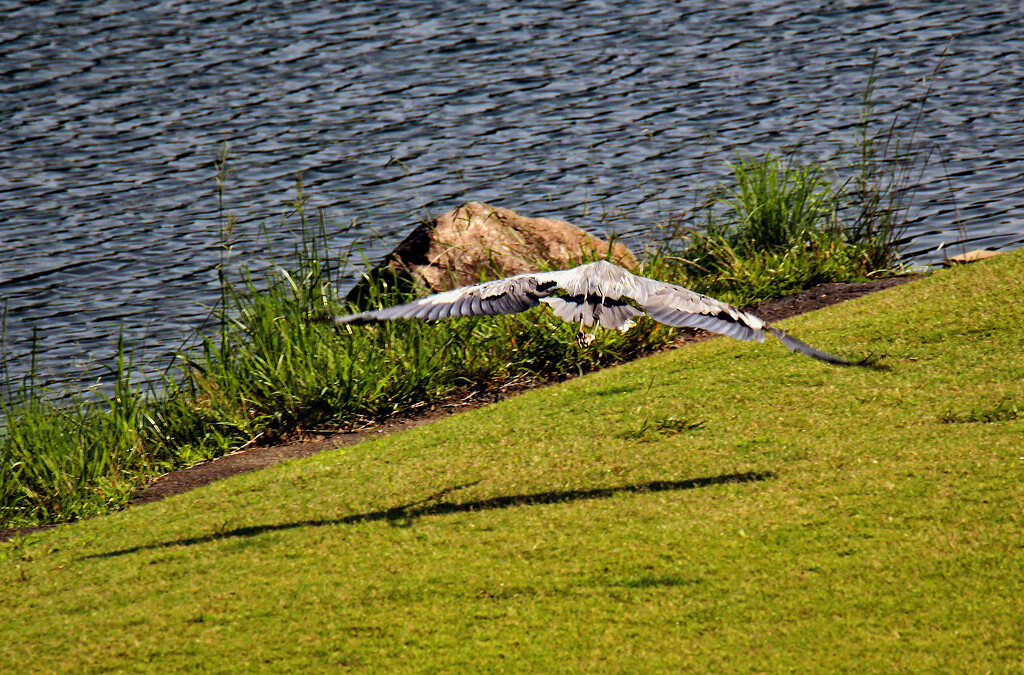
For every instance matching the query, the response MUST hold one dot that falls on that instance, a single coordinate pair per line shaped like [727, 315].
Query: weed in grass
[1003, 412]
[649, 431]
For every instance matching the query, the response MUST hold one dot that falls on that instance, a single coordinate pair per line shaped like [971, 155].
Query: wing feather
[611, 314]
[794, 345]
[461, 307]
[504, 296]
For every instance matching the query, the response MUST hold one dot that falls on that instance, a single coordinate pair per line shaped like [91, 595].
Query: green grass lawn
[725, 506]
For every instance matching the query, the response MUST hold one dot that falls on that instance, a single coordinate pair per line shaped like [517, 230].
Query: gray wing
[794, 345]
[504, 296]
[680, 307]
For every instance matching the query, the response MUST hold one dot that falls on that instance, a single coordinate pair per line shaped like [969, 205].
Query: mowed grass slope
[724, 506]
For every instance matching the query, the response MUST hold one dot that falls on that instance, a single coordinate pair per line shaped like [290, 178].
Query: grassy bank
[723, 507]
[778, 226]
[271, 369]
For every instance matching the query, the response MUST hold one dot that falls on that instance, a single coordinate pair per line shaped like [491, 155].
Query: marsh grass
[76, 457]
[886, 171]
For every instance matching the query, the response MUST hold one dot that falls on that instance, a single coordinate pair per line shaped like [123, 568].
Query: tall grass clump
[775, 231]
[780, 224]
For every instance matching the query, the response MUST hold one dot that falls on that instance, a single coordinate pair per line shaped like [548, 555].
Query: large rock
[477, 241]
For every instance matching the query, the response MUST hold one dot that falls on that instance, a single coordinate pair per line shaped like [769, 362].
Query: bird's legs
[584, 339]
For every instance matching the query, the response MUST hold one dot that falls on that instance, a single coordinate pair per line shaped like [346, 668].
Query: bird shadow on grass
[405, 514]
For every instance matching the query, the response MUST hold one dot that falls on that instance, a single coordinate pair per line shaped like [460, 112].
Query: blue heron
[592, 294]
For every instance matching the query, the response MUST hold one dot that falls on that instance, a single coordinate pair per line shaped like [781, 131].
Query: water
[606, 114]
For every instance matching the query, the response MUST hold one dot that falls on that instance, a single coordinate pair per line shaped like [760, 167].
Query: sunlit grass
[725, 507]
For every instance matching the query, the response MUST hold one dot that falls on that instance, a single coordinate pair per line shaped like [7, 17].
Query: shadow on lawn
[405, 514]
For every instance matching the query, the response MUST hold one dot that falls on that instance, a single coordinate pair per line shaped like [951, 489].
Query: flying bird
[595, 293]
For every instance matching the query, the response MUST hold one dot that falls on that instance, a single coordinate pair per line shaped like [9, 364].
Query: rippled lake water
[607, 114]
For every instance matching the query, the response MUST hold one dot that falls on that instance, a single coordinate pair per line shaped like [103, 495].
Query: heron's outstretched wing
[504, 296]
[594, 294]
[680, 307]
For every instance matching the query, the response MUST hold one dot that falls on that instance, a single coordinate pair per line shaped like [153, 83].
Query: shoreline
[308, 443]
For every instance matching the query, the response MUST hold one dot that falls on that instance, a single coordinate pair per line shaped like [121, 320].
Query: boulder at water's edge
[478, 241]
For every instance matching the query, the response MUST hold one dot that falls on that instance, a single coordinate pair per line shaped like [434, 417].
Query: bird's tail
[795, 345]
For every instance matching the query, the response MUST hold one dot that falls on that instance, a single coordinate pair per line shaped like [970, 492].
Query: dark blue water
[607, 114]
